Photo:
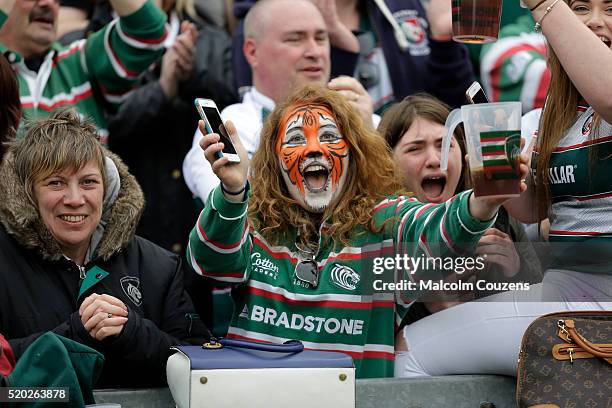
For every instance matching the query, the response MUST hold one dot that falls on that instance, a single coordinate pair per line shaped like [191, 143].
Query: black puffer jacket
[41, 290]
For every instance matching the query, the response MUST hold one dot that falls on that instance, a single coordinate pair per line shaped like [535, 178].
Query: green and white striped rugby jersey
[343, 312]
[581, 192]
[103, 69]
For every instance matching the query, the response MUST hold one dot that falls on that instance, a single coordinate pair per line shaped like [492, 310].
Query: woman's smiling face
[597, 15]
[70, 205]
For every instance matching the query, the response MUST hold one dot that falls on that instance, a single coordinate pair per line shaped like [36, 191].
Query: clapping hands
[178, 62]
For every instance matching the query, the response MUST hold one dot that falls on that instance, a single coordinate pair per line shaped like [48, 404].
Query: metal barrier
[458, 391]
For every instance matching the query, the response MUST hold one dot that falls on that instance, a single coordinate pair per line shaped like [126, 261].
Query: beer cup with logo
[493, 140]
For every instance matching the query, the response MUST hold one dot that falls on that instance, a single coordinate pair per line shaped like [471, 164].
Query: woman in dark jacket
[70, 262]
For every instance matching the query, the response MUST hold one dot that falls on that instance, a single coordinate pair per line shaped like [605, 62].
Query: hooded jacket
[41, 290]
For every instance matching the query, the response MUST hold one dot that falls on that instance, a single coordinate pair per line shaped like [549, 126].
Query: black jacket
[152, 135]
[41, 290]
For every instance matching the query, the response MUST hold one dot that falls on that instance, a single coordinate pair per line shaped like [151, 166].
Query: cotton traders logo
[264, 266]
[130, 285]
[344, 277]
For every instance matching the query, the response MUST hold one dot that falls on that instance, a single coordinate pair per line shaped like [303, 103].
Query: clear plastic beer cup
[493, 141]
[476, 21]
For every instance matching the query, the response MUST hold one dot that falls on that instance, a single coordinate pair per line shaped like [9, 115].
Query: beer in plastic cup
[476, 21]
[493, 142]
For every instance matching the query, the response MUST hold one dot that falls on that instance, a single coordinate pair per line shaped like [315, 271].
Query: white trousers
[484, 337]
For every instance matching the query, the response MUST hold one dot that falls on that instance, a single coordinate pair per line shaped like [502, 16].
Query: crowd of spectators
[123, 230]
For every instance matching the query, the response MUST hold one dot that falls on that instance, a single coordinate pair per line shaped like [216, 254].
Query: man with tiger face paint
[300, 234]
[313, 156]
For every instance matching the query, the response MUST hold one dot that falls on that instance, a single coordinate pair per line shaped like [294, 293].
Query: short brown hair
[62, 141]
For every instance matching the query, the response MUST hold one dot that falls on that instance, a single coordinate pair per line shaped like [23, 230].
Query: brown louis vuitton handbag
[566, 361]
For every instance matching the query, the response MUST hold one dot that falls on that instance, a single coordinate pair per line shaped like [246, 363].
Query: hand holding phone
[207, 108]
[228, 161]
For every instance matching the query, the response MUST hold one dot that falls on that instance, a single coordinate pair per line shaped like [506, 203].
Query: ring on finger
[109, 315]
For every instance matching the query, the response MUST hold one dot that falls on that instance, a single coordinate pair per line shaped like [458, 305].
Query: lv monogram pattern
[584, 382]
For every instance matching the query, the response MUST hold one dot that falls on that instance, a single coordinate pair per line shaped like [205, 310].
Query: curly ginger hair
[372, 174]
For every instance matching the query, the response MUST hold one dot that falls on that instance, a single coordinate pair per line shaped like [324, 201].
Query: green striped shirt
[103, 69]
[513, 68]
[344, 312]
[581, 191]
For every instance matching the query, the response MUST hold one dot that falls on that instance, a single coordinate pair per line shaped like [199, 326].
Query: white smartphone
[207, 108]
[475, 94]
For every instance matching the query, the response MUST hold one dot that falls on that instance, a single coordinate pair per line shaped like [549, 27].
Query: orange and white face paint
[313, 156]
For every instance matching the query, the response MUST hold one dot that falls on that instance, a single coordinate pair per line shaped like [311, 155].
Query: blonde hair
[372, 173]
[558, 116]
[51, 145]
